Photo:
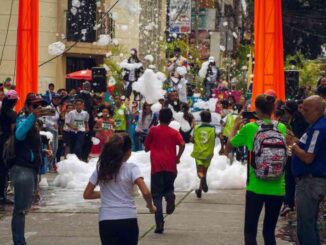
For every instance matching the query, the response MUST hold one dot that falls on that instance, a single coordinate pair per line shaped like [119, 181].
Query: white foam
[74, 174]
[56, 48]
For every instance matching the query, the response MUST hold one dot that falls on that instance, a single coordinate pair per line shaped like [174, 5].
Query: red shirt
[162, 142]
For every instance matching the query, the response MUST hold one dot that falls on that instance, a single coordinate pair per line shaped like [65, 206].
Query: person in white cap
[210, 73]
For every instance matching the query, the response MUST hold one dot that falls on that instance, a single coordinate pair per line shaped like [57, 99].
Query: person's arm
[181, 150]
[86, 127]
[238, 123]
[25, 125]
[146, 194]
[306, 155]
[90, 193]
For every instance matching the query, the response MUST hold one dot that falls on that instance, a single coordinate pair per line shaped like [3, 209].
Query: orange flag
[27, 49]
[269, 64]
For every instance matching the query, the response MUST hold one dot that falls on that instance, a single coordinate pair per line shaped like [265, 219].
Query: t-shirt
[78, 119]
[245, 137]
[204, 141]
[162, 142]
[313, 141]
[229, 123]
[106, 124]
[120, 118]
[117, 200]
[144, 125]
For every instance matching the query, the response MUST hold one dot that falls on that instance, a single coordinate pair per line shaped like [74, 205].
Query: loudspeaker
[291, 83]
[99, 79]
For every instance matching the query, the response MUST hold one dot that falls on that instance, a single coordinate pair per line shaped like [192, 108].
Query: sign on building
[180, 16]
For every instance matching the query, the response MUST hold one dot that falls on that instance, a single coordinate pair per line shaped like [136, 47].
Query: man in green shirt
[260, 192]
[204, 143]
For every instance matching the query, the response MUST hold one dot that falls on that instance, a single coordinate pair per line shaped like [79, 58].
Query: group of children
[116, 176]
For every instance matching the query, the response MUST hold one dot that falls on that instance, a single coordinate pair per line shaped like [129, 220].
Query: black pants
[289, 198]
[119, 232]
[162, 185]
[3, 179]
[254, 205]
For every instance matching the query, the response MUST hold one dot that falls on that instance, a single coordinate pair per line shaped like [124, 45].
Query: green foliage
[310, 73]
[297, 60]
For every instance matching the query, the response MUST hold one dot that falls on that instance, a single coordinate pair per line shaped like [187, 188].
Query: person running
[77, 121]
[204, 143]
[162, 142]
[120, 115]
[264, 187]
[104, 128]
[116, 178]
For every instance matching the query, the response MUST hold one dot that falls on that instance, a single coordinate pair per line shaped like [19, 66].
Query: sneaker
[170, 203]
[198, 193]
[285, 210]
[159, 228]
[204, 185]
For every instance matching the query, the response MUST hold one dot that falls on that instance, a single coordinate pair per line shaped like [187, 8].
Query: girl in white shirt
[116, 178]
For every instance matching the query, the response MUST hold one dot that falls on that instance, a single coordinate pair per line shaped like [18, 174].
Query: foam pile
[74, 174]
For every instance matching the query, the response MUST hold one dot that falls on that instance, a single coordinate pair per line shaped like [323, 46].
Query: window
[81, 19]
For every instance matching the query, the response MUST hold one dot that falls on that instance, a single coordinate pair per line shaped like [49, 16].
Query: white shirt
[51, 121]
[141, 126]
[79, 119]
[117, 200]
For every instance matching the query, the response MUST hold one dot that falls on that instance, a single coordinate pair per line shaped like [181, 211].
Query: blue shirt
[313, 141]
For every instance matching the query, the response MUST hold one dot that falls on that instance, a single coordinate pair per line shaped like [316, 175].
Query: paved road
[215, 219]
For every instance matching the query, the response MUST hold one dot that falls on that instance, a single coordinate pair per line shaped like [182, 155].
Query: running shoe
[204, 185]
[170, 203]
[198, 193]
[159, 228]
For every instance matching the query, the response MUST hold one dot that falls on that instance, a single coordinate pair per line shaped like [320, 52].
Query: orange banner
[27, 49]
[269, 64]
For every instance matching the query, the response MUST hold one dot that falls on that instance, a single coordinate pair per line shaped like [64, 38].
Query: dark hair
[265, 104]
[7, 105]
[186, 114]
[165, 115]
[144, 112]
[206, 116]
[110, 160]
[321, 91]
[79, 100]
[51, 84]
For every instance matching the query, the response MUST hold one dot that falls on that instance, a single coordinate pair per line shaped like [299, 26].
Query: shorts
[203, 162]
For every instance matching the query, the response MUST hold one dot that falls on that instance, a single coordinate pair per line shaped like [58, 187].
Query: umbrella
[80, 75]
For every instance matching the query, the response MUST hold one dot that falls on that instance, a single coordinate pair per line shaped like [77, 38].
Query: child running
[204, 143]
[162, 142]
[116, 178]
[104, 128]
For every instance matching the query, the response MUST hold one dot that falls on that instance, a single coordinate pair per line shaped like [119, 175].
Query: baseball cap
[33, 99]
[56, 96]
[270, 92]
[211, 59]
[12, 95]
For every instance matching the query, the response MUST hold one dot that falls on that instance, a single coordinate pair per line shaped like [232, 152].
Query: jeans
[310, 191]
[254, 205]
[162, 185]
[55, 140]
[208, 89]
[119, 232]
[77, 143]
[289, 185]
[24, 182]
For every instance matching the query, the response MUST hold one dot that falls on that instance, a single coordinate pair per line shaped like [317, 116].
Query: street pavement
[217, 218]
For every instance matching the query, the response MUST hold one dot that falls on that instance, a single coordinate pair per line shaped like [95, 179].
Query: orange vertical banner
[27, 49]
[269, 64]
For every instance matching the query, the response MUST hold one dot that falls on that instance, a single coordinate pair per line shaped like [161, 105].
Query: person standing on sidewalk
[116, 178]
[309, 168]
[28, 159]
[162, 142]
[260, 191]
[77, 121]
[7, 127]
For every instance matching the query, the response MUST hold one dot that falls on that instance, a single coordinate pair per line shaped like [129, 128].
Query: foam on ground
[74, 174]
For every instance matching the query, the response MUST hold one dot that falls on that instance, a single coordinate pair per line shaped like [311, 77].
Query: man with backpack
[265, 140]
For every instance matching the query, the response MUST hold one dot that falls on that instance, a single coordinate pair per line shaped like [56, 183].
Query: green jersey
[119, 117]
[204, 141]
[245, 137]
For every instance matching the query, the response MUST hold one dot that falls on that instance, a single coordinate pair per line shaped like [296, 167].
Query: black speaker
[99, 79]
[291, 83]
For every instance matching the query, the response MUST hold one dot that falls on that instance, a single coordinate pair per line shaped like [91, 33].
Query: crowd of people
[282, 142]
